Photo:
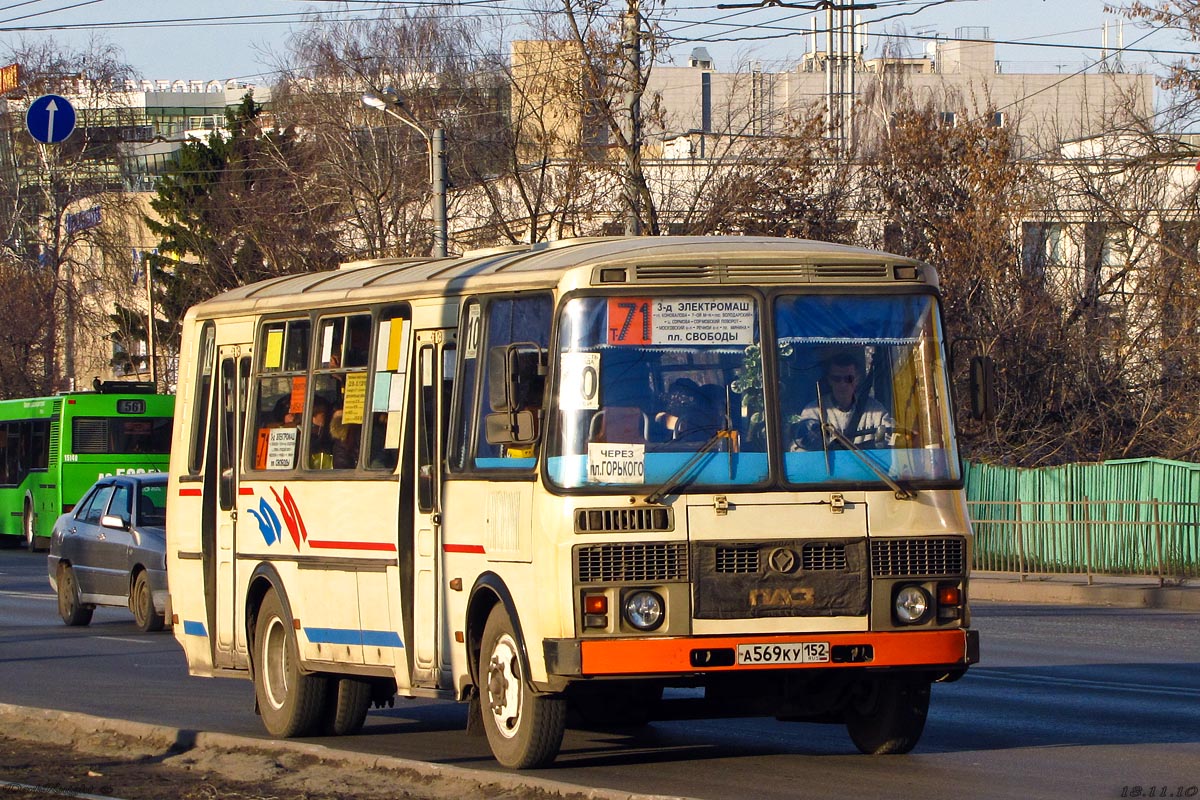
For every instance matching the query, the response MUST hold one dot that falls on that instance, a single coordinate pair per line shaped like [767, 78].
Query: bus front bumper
[949, 650]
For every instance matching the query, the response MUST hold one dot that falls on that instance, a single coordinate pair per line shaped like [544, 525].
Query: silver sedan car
[110, 550]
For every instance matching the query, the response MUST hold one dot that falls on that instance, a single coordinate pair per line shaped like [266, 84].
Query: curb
[1075, 592]
[183, 740]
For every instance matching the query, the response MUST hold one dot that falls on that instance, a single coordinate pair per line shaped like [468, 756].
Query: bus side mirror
[983, 387]
[516, 381]
[517, 427]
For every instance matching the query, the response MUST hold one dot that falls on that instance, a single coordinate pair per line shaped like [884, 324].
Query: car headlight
[644, 610]
[912, 604]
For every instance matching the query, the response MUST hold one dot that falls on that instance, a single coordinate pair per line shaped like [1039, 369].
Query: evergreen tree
[239, 207]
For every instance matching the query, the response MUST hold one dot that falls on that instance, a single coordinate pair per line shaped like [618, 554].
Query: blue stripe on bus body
[193, 628]
[352, 636]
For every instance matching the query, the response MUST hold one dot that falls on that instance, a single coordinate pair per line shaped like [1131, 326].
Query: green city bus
[53, 448]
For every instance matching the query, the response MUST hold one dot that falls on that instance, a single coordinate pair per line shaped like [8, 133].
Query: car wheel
[888, 715]
[289, 700]
[70, 609]
[524, 729]
[346, 705]
[141, 601]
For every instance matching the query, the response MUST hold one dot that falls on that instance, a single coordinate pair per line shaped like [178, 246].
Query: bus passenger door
[434, 378]
[231, 405]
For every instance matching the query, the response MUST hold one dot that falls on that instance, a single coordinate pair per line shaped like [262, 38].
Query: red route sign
[629, 320]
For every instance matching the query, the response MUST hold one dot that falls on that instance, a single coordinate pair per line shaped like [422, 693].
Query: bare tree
[42, 184]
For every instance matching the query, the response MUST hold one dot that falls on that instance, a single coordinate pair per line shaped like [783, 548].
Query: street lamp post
[388, 102]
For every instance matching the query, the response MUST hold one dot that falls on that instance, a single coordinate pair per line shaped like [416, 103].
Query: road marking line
[29, 596]
[123, 639]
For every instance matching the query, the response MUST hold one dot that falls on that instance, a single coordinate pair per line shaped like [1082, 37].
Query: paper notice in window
[281, 448]
[299, 384]
[355, 398]
[616, 463]
[273, 359]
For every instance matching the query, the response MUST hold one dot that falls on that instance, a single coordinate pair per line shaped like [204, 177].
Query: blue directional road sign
[50, 118]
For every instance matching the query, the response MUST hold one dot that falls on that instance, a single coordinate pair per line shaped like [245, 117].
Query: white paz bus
[580, 475]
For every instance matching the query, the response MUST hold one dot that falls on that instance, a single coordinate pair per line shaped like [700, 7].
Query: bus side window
[280, 388]
[509, 320]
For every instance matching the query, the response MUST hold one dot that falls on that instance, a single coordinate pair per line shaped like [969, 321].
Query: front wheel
[289, 700]
[72, 611]
[141, 601]
[888, 715]
[524, 729]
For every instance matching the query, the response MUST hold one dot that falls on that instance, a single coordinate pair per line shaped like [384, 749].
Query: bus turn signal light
[949, 596]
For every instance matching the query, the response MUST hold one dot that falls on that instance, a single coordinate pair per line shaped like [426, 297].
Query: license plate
[783, 653]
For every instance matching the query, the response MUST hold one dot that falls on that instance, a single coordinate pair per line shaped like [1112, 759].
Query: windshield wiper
[902, 493]
[676, 478]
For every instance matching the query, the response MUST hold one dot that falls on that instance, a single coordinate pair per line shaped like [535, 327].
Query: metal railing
[1088, 537]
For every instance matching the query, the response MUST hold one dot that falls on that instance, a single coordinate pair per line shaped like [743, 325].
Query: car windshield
[862, 389]
[657, 390]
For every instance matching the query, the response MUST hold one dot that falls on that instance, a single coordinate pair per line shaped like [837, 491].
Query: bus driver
[857, 416]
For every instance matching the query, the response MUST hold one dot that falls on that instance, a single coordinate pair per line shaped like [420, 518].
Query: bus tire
[524, 729]
[141, 602]
[72, 611]
[289, 699]
[346, 705]
[29, 526]
[888, 714]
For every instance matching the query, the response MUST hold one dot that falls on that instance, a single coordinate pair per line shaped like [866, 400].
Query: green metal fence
[1132, 517]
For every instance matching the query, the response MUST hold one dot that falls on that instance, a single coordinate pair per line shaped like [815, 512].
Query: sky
[222, 39]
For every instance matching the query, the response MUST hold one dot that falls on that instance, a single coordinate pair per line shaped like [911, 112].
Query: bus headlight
[912, 604]
[644, 610]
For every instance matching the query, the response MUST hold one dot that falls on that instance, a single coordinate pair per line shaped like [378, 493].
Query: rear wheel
[524, 729]
[72, 611]
[346, 706]
[888, 715]
[289, 700]
[141, 601]
[29, 525]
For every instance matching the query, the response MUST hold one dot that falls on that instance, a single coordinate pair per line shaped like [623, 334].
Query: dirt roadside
[67, 755]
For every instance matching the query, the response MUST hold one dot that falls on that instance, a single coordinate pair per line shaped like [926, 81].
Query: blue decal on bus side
[350, 636]
[193, 628]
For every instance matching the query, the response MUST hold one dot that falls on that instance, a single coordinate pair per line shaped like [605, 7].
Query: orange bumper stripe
[658, 656]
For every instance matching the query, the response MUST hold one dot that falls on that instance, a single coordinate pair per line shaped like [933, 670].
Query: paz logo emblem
[782, 560]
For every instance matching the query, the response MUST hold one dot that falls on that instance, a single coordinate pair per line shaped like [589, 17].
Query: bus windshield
[645, 384]
[862, 389]
[669, 390]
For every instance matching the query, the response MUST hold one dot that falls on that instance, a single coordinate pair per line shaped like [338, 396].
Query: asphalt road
[1068, 702]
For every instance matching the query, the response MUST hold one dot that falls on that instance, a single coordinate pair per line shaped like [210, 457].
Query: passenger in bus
[345, 439]
[320, 439]
[848, 408]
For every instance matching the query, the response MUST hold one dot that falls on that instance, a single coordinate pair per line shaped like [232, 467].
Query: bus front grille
[621, 563]
[823, 556]
[910, 558]
[623, 520]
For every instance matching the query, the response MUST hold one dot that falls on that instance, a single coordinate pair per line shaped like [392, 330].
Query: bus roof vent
[676, 273]
[768, 273]
[851, 272]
